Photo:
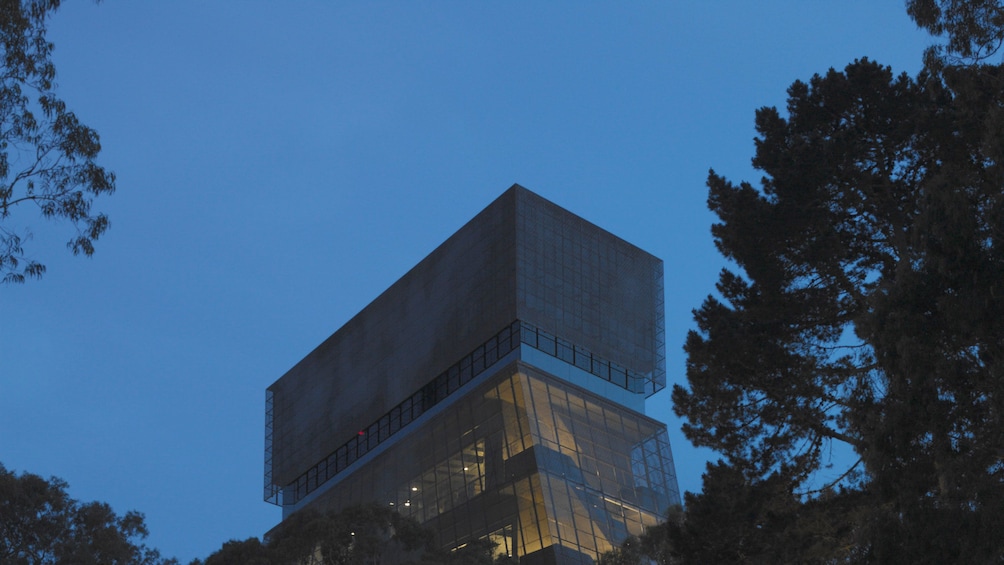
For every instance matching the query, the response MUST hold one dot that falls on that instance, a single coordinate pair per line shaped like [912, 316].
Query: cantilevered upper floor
[523, 267]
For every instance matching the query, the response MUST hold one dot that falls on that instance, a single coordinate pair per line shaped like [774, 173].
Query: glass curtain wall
[545, 469]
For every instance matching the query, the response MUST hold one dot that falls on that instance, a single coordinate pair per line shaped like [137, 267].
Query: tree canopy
[41, 525]
[864, 308]
[47, 156]
[974, 28]
[862, 313]
[359, 534]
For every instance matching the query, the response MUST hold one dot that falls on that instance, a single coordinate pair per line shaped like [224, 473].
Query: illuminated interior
[545, 466]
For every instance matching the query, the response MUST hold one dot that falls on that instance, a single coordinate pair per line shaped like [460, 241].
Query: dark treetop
[866, 309]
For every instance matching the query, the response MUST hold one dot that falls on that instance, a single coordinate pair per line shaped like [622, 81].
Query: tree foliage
[866, 310]
[736, 520]
[47, 156]
[41, 525]
[974, 28]
[368, 534]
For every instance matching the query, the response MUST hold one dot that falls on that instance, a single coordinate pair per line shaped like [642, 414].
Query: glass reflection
[531, 462]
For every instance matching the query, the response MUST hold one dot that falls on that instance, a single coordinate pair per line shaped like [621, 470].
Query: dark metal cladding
[495, 391]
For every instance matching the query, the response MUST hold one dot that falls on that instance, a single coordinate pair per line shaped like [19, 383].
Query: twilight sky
[282, 163]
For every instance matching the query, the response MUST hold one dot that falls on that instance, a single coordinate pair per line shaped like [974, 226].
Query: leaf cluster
[866, 309]
[47, 156]
[975, 28]
[41, 525]
[735, 520]
[365, 534]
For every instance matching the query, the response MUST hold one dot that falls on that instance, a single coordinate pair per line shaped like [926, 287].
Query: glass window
[578, 483]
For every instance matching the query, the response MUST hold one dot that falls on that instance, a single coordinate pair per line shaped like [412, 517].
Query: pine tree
[866, 307]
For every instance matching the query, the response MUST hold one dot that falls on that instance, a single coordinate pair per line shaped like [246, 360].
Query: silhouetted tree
[41, 525]
[866, 309]
[974, 28]
[736, 520]
[629, 553]
[476, 552]
[368, 534]
[358, 534]
[47, 157]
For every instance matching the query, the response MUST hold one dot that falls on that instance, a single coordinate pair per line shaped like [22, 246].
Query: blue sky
[280, 164]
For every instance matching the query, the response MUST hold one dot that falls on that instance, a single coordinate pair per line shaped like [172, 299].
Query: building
[496, 390]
